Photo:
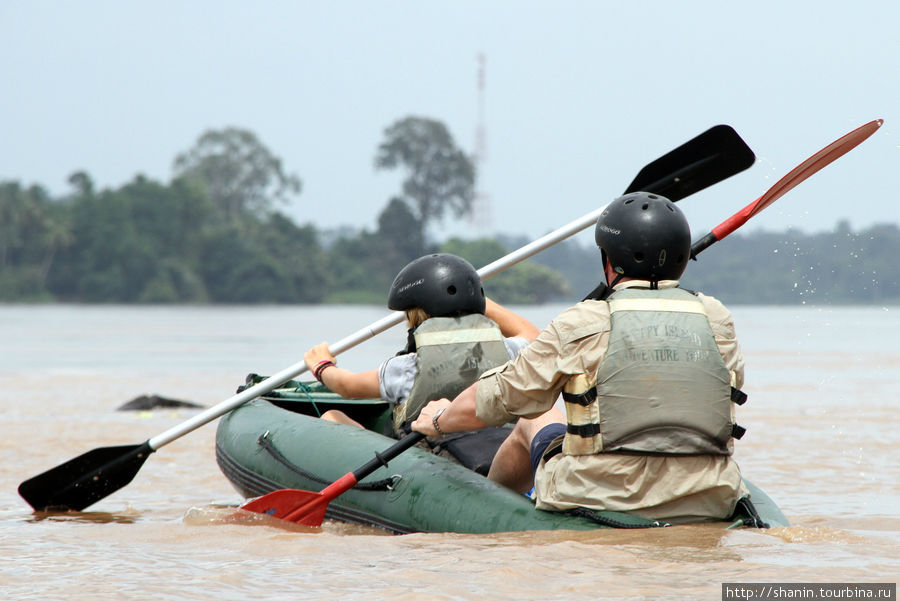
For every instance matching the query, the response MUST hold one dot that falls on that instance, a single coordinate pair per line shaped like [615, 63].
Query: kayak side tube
[268, 445]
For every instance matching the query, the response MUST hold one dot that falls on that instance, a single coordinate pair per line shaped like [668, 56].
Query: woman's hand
[317, 354]
[424, 423]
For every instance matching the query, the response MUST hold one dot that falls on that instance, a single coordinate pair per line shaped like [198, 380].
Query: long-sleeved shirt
[665, 487]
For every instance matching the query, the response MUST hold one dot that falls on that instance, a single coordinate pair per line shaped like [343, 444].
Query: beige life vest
[662, 387]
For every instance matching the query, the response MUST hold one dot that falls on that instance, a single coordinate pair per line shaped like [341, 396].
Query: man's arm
[457, 416]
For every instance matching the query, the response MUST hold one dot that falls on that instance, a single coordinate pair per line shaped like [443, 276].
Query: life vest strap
[584, 430]
[738, 397]
[584, 399]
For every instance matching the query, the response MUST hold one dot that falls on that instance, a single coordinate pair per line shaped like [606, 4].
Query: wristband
[434, 423]
[320, 367]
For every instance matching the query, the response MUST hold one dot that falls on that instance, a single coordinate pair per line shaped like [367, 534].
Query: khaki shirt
[664, 487]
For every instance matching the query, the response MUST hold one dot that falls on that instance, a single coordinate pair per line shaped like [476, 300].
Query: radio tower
[480, 217]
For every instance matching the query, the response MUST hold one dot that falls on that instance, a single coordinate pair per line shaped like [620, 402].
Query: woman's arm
[348, 384]
[511, 324]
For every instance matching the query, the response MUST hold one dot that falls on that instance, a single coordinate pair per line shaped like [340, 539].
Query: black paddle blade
[713, 156]
[83, 481]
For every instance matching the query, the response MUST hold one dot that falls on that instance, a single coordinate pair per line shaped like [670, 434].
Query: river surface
[822, 441]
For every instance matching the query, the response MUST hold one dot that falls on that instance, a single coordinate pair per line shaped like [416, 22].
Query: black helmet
[442, 285]
[644, 236]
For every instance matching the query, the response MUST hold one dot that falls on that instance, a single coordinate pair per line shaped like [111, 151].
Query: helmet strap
[410, 342]
[615, 281]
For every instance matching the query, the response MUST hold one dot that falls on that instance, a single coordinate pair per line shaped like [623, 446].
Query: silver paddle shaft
[370, 331]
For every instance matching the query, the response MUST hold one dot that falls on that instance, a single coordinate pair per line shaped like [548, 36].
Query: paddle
[827, 155]
[307, 507]
[84, 480]
[717, 151]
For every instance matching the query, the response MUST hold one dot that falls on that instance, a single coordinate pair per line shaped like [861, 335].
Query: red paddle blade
[804, 170]
[284, 502]
[305, 507]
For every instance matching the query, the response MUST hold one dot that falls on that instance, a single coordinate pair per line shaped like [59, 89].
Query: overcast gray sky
[578, 96]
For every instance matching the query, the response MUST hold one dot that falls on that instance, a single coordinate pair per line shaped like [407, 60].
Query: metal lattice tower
[480, 217]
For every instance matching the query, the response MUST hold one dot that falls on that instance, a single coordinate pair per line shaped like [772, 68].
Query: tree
[240, 175]
[439, 176]
[32, 230]
[398, 227]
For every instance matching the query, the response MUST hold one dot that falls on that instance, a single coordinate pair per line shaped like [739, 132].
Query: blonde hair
[415, 317]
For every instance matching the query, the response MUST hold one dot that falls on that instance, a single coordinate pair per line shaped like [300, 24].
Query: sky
[577, 97]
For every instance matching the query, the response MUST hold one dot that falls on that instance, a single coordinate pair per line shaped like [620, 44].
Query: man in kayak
[455, 334]
[649, 375]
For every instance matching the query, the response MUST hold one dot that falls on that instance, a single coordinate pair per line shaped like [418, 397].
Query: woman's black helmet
[644, 236]
[442, 285]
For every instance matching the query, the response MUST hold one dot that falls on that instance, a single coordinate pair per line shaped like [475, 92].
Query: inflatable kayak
[277, 441]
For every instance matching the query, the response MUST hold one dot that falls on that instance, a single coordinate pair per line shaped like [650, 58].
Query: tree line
[214, 234]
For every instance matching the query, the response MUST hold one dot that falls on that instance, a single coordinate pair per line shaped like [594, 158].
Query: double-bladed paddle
[308, 508]
[675, 178]
[78, 483]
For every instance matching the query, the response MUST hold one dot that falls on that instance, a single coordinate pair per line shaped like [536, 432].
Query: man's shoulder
[716, 311]
[584, 310]
[583, 319]
[710, 301]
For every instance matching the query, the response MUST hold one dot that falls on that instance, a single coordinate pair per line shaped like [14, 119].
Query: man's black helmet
[442, 285]
[644, 236]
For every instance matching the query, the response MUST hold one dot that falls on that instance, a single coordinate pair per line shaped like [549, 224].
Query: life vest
[451, 353]
[662, 387]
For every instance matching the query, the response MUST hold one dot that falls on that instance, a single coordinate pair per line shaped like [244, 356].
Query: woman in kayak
[455, 334]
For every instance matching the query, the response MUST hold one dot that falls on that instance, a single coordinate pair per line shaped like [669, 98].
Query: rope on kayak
[265, 442]
[301, 387]
[606, 520]
[254, 379]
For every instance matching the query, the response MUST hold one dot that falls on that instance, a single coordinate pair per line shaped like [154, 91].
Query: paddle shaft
[279, 378]
[275, 380]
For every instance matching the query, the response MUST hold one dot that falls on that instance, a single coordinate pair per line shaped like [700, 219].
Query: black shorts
[542, 440]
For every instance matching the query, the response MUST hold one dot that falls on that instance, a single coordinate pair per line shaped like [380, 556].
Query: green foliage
[239, 174]
[210, 235]
[364, 266]
[33, 229]
[579, 265]
[840, 267]
[526, 282]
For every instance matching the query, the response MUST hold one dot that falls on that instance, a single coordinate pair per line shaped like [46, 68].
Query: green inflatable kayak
[277, 441]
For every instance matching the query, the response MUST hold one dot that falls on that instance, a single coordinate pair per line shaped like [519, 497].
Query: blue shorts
[542, 440]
